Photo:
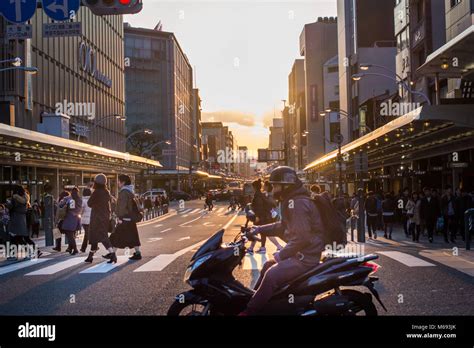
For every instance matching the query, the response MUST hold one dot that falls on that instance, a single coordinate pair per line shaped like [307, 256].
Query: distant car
[178, 195]
[153, 193]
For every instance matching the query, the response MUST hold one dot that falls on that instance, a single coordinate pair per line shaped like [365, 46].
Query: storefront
[33, 159]
[430, 146]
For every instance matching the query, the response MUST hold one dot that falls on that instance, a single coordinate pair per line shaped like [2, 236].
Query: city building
[214, 140]
[159, 91]
[159, 97]
[364, 39]
[419, 30]
[296, 120]
[331, 102]
[65, 124]
[243, 165]
[276, 139]
[197, 128]
[318, 43]
[431, 144]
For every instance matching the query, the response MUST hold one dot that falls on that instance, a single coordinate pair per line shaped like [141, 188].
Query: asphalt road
[415, 279]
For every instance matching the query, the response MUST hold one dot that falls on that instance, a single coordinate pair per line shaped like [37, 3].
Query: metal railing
[155, 212]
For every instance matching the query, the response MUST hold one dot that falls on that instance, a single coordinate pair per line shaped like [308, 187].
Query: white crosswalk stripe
[105, 267]
[58, 267]
[20, 265]
[406, 259]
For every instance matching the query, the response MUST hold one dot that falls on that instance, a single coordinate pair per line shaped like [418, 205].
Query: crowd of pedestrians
[429, 212]
[105, 219]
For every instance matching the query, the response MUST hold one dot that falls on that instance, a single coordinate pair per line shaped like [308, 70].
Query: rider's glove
[276, 256]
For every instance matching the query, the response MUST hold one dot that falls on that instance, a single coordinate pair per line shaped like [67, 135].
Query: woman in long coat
[18, 227]
[99, 202]
[72, 220]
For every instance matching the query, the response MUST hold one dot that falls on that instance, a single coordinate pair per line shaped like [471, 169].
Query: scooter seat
[317, 269]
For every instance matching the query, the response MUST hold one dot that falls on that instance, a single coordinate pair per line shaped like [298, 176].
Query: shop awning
[422, 127]
[457, 53]
[43, 149]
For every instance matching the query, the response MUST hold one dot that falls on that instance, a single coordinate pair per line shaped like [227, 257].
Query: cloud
[228, 116]
[269, 116]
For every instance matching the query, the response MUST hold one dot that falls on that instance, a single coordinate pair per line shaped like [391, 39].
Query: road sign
[19, 32]
[62, 29]
[18, 11]
[361, 162]
[61, 10]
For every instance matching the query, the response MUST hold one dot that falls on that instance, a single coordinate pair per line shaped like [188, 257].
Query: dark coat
[72, 220]
[429, 210]
[261, 206]
[17, 208]
[301, 226]
[99, 202]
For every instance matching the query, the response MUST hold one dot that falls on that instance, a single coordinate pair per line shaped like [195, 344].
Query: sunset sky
[242, 52]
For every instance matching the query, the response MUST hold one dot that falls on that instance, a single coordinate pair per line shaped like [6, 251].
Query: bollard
[468, 226]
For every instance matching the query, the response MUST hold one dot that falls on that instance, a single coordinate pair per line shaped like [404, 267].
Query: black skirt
[125, 236]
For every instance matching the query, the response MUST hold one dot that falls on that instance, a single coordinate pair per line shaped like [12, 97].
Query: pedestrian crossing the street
[60, 263]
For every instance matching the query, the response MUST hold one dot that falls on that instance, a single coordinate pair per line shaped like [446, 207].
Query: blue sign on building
[18, 11]
[61, 10]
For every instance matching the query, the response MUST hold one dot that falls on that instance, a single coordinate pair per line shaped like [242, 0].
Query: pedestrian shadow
[59, 291]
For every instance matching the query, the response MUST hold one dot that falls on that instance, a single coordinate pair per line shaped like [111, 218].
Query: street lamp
[167, 142]
[146, 131]
[358, 77]
[28, 69]
[103, 119]
[14, 61]
[343, 113]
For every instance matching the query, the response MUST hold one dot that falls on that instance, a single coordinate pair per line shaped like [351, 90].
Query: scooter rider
[300, 226]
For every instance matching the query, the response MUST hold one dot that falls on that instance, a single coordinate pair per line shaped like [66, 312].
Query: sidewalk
[399, 239]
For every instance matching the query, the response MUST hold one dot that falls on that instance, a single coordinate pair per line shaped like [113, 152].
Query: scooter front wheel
[188, 309]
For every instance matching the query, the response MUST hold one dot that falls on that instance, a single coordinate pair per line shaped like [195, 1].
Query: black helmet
[284, 175]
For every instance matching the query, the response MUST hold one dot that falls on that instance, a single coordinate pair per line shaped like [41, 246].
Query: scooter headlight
[194, 266]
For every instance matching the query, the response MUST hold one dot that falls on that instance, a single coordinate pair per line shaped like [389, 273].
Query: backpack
[333, 219]
[135, 214]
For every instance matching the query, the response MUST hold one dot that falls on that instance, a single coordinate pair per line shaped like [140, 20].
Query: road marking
[197, 210]
[185, 211]
[208, 224]
[105, 267]
[183, 238]
[187, 222]
[220, 210]
[447, 258]
[58, 267]
[168, 229]
[160, 262]
[406, 259]
[21, 264]
[159, 225]
[151, 240]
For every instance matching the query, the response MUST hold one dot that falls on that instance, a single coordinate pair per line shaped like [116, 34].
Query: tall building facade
[318, 43]
[81, 77]
[159, 93]
[296, 124]
[331, 102]
[363, 38]
[64, 125]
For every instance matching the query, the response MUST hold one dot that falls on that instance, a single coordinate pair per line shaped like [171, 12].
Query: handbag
[56, 233]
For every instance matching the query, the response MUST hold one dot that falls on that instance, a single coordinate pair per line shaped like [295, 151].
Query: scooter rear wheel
[362, 303]
[188, 309]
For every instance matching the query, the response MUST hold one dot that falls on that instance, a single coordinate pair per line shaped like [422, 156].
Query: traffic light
[113, 7]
